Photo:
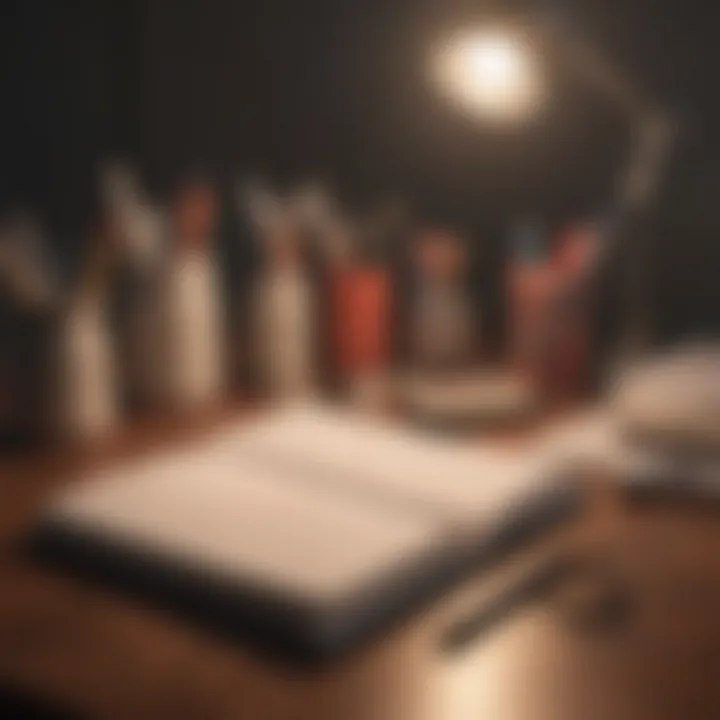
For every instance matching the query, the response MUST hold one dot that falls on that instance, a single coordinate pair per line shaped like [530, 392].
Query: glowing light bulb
[491, 74]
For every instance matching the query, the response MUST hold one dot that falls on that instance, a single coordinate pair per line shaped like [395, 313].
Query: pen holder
[87, 408]
[361, 321]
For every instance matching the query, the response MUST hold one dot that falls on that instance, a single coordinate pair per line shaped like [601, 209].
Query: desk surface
[107, 658]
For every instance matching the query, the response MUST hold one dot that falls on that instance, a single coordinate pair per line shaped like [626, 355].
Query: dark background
[339, 89]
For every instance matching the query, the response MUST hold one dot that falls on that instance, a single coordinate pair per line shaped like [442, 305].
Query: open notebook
[307, 531]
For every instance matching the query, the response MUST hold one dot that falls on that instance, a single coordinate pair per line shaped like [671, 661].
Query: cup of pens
[361, 326]
[362, 302]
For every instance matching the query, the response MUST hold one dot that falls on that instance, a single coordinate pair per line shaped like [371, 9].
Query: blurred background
[339, 90]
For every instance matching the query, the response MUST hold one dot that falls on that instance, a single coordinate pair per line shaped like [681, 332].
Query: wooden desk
[108, 658]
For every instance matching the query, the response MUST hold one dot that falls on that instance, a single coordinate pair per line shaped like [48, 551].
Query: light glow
[492, 74]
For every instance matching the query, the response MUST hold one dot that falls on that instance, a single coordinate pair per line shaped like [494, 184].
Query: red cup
[361, 325]
[550, 340]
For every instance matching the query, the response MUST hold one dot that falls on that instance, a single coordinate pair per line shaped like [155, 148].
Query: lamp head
[491, 73]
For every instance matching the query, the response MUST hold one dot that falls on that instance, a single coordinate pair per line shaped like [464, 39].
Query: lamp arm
[562, 38]
[642, 176]
[655, 128]
[639, 181]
